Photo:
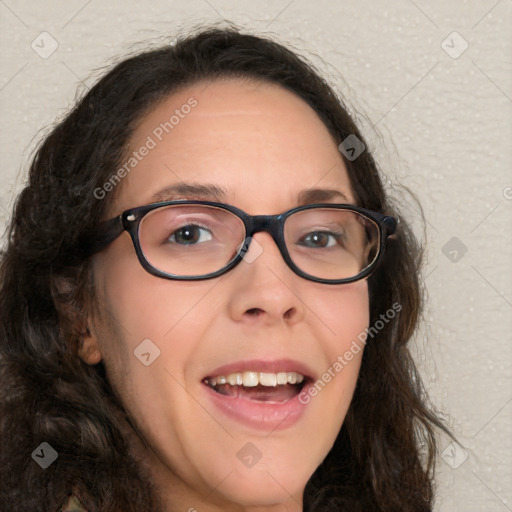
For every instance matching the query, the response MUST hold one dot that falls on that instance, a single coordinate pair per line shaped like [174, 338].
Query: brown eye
[320, 239]
[191, 234]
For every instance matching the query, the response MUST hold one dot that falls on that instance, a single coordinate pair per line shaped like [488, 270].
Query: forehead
[258, 142]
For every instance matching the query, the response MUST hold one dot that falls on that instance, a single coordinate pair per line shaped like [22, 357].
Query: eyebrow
[207, 191]
[191, 191]
[320, 195]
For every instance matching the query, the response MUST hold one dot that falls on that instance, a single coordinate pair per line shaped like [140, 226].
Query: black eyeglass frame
[107, 231]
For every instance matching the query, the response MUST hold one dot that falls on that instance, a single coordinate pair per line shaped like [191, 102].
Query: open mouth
[259, 386]
[260, 394]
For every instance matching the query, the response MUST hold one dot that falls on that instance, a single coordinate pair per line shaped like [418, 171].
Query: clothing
[73, 505]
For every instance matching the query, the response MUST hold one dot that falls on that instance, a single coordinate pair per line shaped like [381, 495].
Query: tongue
[281, 393]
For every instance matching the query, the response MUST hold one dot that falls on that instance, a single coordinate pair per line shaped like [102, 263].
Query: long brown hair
[50, 395]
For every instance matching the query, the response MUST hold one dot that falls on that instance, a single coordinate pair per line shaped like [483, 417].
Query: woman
[206, 299]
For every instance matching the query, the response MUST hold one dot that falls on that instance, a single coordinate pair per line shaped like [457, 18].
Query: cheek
[142, 317]
[344, 313]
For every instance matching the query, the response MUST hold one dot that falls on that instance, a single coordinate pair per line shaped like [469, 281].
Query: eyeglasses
[193, 240]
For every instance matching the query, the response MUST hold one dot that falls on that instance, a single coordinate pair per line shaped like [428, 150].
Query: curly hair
[384, 456]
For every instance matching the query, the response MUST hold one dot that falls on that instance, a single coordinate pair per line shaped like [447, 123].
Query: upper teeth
[251, 379]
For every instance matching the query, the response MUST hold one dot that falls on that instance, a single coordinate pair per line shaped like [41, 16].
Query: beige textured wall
[435, 79]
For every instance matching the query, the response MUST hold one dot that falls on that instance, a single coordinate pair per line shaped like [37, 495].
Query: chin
[275, 478]
[263, 489]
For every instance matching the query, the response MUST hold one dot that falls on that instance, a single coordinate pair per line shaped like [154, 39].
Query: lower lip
[258, 414]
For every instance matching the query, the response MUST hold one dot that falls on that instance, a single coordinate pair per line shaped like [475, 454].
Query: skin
[265, 145]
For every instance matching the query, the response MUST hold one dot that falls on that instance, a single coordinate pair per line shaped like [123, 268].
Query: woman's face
[210, 451]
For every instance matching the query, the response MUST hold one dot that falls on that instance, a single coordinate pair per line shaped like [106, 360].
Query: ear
[76, 324]
[89, 350]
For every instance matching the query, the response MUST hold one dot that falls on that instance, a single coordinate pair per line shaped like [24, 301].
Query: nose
[264, 287]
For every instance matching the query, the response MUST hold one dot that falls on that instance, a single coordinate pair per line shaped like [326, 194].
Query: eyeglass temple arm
[104, 234]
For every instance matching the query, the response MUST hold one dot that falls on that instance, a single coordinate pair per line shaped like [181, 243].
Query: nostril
[289, 314]
[254, 311]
